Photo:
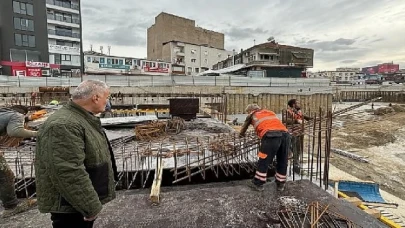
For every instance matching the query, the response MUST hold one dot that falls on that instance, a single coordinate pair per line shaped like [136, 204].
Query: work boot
[255, 187]
[23, 206]
[280, 186]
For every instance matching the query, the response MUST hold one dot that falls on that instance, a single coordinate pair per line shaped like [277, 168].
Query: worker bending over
[12, 125]
[274, 143]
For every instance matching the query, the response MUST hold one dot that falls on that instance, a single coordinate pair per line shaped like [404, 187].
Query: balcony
[58, 20]
[180, 53]
[63, 35]
[263, 62]
[63, 6]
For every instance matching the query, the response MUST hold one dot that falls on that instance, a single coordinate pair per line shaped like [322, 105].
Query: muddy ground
[378, 138]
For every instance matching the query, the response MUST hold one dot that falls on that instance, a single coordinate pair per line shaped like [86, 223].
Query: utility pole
[81, 42]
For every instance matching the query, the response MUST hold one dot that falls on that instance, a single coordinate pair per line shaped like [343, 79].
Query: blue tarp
[367, 192]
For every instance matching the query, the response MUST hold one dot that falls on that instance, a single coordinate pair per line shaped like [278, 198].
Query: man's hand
[90, 218]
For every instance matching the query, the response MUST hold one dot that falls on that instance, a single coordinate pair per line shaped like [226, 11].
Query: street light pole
[81, 42]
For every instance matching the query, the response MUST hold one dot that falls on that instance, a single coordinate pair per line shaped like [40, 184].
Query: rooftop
[276, 45]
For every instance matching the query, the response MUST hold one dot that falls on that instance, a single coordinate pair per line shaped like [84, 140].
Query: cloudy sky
[343, 33]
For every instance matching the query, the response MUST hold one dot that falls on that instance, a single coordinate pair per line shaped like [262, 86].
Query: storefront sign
[37, 64]
[53, 48]
[34, 72]
[111, 66]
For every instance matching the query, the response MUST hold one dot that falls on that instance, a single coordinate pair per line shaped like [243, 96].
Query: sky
[343, 33]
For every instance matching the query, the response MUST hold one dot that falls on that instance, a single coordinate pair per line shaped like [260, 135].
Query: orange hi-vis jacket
[295, 115]
[264, 121]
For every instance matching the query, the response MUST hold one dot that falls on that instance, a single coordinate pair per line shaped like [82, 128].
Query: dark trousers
[69, 220]
[7, 194]
[273, 144]
[297, 142]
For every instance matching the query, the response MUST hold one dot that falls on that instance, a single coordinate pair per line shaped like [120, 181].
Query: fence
[140, 81]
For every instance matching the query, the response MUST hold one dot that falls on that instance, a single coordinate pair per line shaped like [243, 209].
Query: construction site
[182, 163]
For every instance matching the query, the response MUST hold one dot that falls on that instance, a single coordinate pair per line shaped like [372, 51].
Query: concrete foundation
[231, 204]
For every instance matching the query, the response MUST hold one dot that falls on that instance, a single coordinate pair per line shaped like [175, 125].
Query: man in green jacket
[75, 167]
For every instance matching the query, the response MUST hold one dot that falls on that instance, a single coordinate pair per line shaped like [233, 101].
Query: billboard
[370, 70]
[388, 68]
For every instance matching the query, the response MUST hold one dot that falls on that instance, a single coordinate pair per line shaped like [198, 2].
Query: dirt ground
[379, 139]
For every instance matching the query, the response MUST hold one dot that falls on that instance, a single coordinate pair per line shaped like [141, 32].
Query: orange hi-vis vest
[264, 121]
[295, 115]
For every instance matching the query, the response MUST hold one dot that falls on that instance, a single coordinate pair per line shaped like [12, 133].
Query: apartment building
[64, 34]
[271, 59]
[40, 37]
[190, 49]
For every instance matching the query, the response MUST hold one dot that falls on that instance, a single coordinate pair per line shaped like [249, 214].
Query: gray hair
[88, 88]
[252, 107]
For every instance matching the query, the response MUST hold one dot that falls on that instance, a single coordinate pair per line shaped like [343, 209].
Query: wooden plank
[155, 192]
[386, 205]
[354, 200]
[373, 212]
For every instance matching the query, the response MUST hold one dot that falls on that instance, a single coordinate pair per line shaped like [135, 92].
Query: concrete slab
[231, 204]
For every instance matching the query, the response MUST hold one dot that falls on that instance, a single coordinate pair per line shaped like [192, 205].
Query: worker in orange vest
[274, 143]
[296, 117]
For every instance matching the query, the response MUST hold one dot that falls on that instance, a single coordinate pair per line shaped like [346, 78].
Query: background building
[271, 59]
[40, 37]
[98, 63]
[190, 49]
[64, 38]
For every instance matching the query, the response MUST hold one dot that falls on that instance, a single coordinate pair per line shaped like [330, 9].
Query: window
[23, 8]
[108, 61]
[197, 70]
[58, 59]
[205, 60]
[66, 57]
[64, 43]
[24, 40]
[114, 61]
[102, 60]
[31, 41]
[89, 59]
[23, 24]
[67, 18]
[121, 62]
[193, 60]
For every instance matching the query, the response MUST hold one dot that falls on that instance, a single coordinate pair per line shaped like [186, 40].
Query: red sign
[155, 69]
[388, 68]
[19, 71]
[34, 72]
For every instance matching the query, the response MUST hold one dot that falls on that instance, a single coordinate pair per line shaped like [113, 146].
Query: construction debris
[314, 215]
[383, 110]
[350, 155]
[156, 129]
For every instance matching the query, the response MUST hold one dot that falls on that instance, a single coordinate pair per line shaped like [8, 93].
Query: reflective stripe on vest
[257, 122]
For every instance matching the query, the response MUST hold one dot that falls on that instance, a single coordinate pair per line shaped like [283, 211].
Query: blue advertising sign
[113, 66]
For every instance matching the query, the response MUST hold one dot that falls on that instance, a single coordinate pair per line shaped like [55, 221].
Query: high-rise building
[190, 49]
[40, 37]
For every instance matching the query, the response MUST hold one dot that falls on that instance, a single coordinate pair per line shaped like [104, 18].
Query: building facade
[191, 59]
[64, 34]
[98, 63]
[190, 49]
[40, 37]
[274, 59]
